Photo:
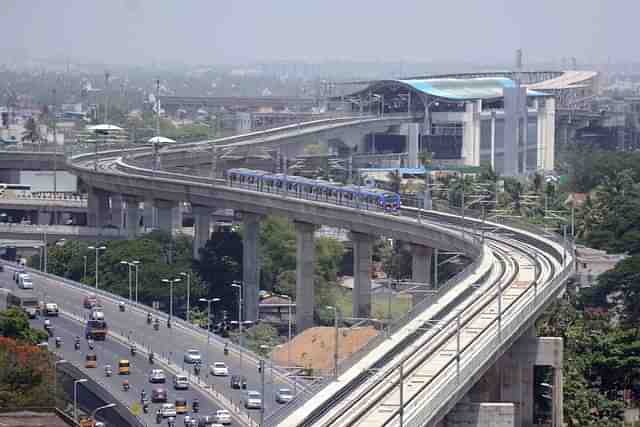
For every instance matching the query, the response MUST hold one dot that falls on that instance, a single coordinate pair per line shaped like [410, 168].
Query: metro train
[315, 189]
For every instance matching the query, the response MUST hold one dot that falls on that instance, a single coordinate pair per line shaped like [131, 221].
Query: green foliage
[261, 335]
[160, 256]
[277, 250]
[14, 323]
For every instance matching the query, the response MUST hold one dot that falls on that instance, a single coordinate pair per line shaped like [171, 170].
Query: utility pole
[55, 145]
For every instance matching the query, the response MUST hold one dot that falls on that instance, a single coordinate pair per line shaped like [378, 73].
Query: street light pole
[238, 285]
[95, 411]
[188, 294]
[127, 263]
[170, 282]
[209, 301]
[401, 394]
[336, 352]
[136, 264]
[85, 267]
[55, 380]
[75, 397]
[97, 249]
[288, 298]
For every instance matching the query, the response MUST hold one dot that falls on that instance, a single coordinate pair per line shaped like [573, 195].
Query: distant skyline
[225, 32]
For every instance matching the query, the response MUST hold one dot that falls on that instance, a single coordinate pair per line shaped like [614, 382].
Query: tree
[14, 323]
[277, 250]
[220, 264]
[395, 181]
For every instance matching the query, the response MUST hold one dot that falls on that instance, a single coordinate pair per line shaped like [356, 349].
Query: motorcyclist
[133, 349]
[156, 324]
[158, 416]
[90, 343]
[151, 357]
[58, 342]
[226, 349]
[196, 405]
[171, 422]
[125, 385]
[47, 323]
[107, 370]
[149, 318]
[143, 396]
[121, 305]
[77, 343]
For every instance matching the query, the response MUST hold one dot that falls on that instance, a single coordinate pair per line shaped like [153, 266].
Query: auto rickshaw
[181, 405]
[123, 367]
[91, 360]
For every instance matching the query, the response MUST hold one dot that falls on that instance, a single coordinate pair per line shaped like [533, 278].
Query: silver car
[192, 356]
[284, 395]
[253, 400]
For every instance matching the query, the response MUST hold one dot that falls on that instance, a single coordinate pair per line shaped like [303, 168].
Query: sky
[234, 31]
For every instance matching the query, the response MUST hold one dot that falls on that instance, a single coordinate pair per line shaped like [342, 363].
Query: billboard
[43, 181]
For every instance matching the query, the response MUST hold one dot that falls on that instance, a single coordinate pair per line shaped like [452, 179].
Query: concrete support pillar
[420, 270]
[165, 214]
[117, 217]
[550, 138]
[44, 218]
[98, 208]
[132, 216]
[149, 214]
[177, 215]
[304, 275]
[201, 228]
[361, 274]
[413, 144]
[493, 141]
[558, 401]
[250, 265]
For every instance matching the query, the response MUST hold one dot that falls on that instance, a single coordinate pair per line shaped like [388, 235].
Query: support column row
[250, 265]
[305, 255]
[201, 228]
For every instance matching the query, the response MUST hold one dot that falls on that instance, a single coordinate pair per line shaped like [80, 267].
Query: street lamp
[209, 301]
[188, 275]
[55, 379]
[335, 353]
[84, 276]
[170, 282]
[238, 285]
[262, 347]
[75, 397]
[97, 249]
[95, 411]
[128, 264]
[288, 298]
[132, 264]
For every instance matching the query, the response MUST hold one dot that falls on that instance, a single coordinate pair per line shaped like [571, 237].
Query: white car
[253, 400]
[222, 416]
[157, 376]
[24, 281]
[219, 369]
[192, 356]
[180, 382]
[51, 309]
[168, 410]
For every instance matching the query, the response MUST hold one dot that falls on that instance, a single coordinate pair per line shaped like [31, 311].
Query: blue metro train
[315, 189]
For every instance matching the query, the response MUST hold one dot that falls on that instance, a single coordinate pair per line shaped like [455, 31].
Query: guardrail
[432, 406]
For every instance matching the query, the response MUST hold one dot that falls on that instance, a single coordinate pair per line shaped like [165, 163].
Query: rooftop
[568, 80]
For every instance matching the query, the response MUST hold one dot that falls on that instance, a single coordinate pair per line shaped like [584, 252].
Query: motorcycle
[145, 407]
[76, 345]
[149, 318]
[151, 358]
[196, 406]
[90, 343]
[121, 306]
[107, 371]
[169, 324]
[158, 417]
[171, 422]
[133, 350]
[125, 385]
[156, 325]
[58, 342]
[196, 370]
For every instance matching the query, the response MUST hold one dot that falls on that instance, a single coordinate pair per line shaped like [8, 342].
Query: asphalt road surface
[172, 342]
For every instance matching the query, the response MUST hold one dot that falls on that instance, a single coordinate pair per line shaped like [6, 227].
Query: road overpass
[512, 251]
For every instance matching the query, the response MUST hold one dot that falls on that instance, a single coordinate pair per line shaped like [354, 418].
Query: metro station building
[505, 120]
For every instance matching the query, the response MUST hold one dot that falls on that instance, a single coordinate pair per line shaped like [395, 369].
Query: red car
[90, 301]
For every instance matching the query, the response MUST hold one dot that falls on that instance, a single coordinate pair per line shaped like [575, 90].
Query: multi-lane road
[169, 344]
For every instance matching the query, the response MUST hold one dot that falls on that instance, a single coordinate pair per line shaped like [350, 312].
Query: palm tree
[31, 130]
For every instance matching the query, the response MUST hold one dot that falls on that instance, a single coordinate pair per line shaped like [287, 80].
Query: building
[503, 120]
[590, 263]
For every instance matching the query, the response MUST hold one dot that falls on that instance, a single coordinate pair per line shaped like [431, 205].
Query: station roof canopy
[454, 89]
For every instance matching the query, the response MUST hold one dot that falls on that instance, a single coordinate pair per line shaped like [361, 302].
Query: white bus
[13, 191]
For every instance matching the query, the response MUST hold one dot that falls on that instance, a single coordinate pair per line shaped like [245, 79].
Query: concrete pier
[98, 208]
[250, 265]
[304, 275]
[166, 217]
[201, 228]
[361, 296]
[132, 215]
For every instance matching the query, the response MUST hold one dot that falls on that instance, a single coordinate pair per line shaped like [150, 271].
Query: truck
[24, 300]
[96, 330]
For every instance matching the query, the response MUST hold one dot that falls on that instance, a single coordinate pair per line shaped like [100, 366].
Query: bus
[24, 300]
[96, 330]
[13, 191]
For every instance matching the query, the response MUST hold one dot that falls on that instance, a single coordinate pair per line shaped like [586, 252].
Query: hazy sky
[226, 31]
